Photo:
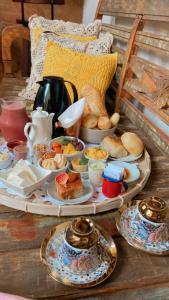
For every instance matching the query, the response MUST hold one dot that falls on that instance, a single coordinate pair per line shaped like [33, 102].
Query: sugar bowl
[145, 225]
[79, 253]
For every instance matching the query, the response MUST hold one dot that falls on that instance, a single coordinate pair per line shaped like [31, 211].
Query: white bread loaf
[115, 119]
[104, 123]
[132, 143]
[89, 121]
[113, 146]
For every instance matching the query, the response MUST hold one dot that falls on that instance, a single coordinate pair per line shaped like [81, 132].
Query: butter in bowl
[5, 160]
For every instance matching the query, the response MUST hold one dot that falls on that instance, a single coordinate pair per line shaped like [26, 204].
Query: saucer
[133, 172]
[128, 224]
[88, 192]
[128, 158]
[80, 272]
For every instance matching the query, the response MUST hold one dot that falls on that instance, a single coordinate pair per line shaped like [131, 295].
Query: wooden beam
[129, 52]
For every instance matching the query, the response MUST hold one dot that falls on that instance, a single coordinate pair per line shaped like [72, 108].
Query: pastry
[94, 102]
[48, 155]
[70, 188]
[114, 147]
[80, 164]
[60, 161]
[115, 119]
[40, 150]
[132, 143]
[49, 164]
[104, 123]
[89, 121]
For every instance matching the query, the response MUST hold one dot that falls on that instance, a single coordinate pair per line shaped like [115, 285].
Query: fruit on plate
[57, 148]
[67, 145]
[80, 164]
[69, 185]
[62, 178]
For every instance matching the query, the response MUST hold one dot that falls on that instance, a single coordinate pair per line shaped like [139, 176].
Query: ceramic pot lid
[78, 267]
[139, 232]
[39, 113]
[153, 209]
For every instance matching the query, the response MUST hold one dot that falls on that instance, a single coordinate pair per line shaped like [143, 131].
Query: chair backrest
[142, 79]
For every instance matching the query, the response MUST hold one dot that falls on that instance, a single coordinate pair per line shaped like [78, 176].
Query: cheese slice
[22, 175]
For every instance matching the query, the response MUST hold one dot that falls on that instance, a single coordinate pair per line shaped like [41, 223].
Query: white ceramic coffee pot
[39, 131]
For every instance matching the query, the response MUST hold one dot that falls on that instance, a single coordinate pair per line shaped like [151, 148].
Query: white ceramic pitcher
[39, 131]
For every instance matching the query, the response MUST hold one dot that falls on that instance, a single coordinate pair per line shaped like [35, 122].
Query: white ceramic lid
[39, 113]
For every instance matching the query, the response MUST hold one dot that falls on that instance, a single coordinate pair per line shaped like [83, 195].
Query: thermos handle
[75, 94]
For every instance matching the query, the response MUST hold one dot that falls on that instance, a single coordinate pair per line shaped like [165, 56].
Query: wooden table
[137, 275]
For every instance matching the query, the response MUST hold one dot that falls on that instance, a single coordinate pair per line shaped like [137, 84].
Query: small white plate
[87, 193]
[128, 158]
[134, 172]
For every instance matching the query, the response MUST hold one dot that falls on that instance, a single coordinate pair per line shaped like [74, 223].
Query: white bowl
[84, 175]
[4, 164]
[69, 156]
[95, 136]
[94, 159]
[42, 176]
[54, 172]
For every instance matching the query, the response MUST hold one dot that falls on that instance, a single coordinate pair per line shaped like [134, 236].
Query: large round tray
[37, 205]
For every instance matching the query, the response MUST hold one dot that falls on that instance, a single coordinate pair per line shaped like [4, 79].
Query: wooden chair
[140, 80]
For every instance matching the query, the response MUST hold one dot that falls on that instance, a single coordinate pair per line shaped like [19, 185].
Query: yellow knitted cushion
[80, 68]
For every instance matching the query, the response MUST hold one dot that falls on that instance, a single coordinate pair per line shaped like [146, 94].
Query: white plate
[128, 158]
[87, 189]
[42, 176]
[134, 172]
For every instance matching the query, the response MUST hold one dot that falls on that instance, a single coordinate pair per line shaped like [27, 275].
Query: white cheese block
[22, 175]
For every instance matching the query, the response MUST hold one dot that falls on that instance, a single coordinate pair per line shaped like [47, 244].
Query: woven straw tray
[38, 205]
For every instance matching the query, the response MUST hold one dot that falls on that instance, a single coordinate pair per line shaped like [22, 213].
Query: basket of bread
[96, 123]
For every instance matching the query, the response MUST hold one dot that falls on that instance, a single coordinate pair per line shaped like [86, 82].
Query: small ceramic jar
[145, 225]
[80, 245]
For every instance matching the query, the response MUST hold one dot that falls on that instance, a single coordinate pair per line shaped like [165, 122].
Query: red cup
[111, 188]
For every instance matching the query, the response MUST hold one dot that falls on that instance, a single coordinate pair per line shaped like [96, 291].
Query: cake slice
[69, 185]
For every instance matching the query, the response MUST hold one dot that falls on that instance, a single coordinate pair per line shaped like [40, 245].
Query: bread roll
[89, 121]
[94, 103]
[113, 146]
[115, 119]
[132, 143]
[104, 123]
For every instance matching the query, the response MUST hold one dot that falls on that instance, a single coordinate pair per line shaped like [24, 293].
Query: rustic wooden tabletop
[137, 275]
